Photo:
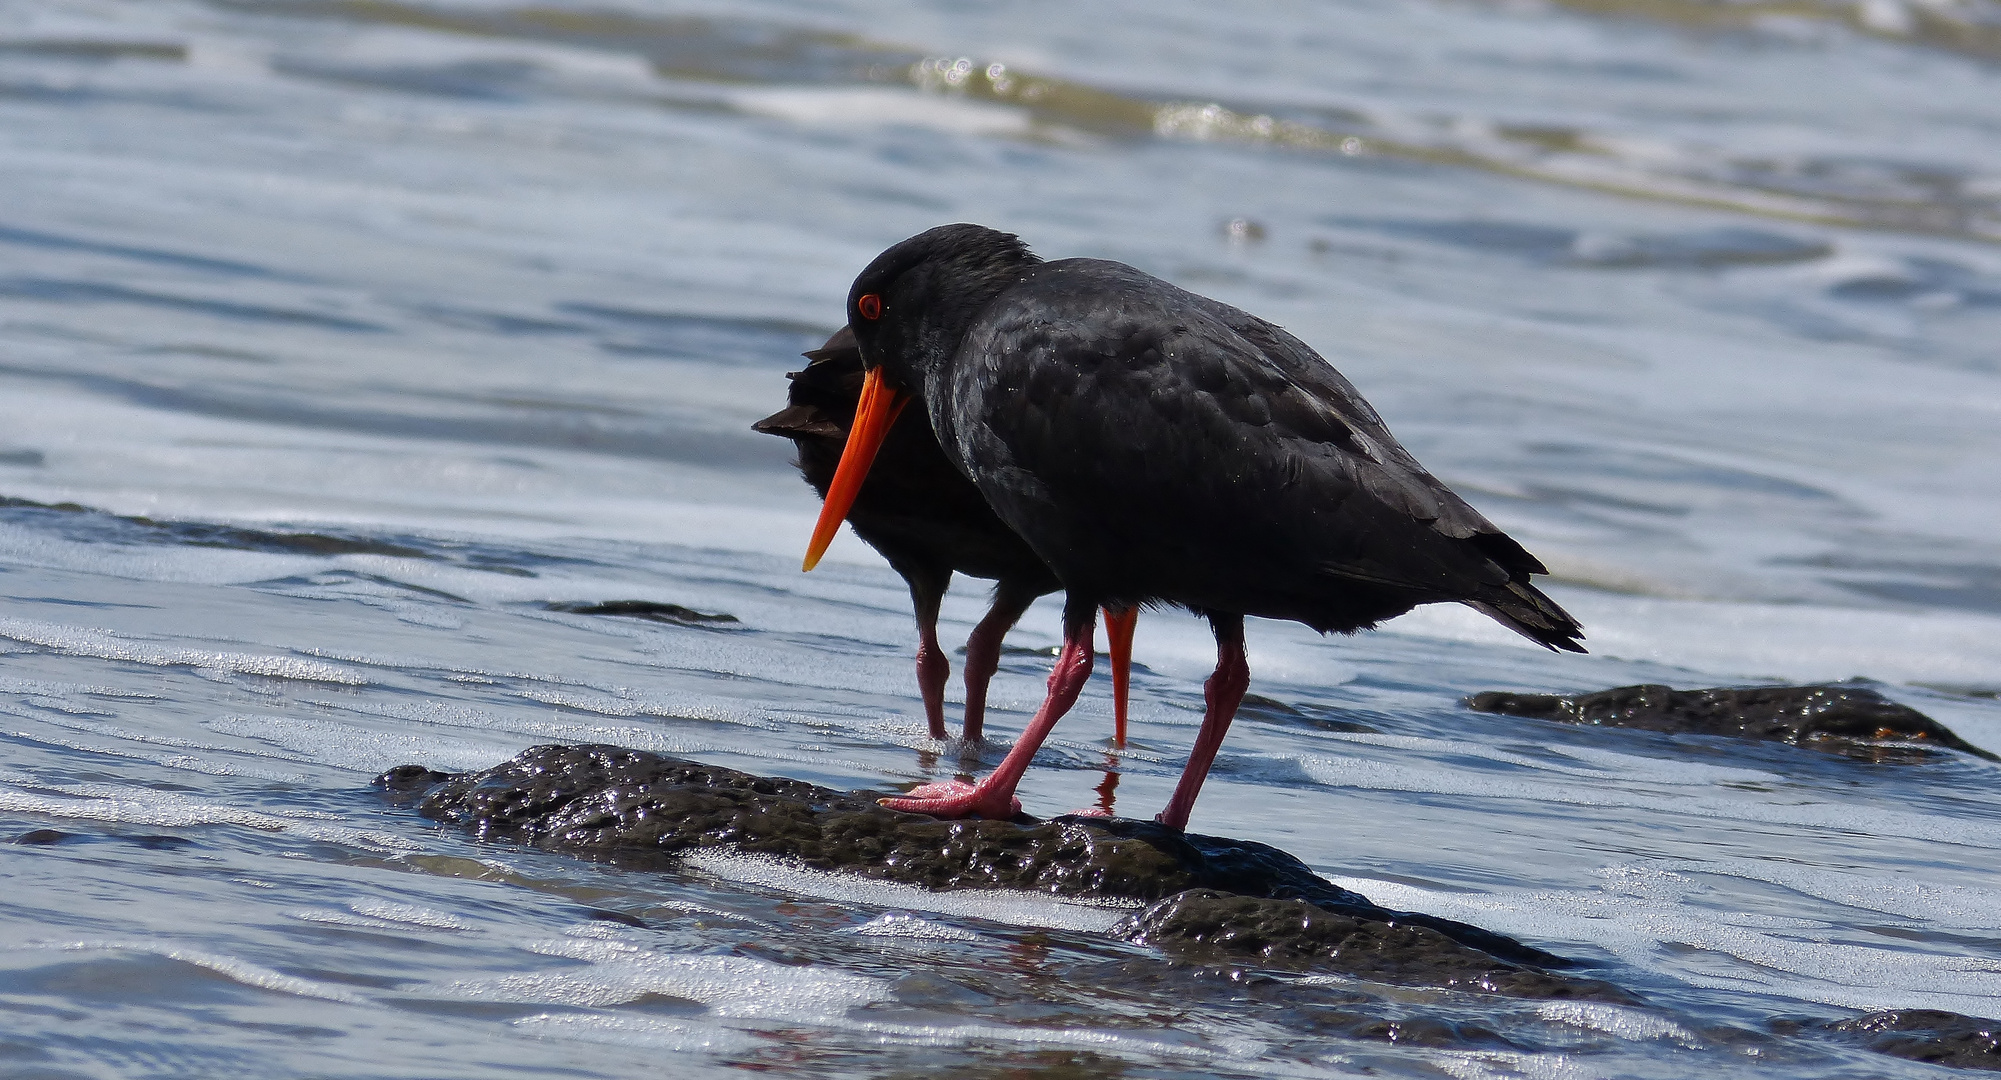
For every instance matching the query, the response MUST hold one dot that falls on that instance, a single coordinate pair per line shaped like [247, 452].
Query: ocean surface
[339, 339]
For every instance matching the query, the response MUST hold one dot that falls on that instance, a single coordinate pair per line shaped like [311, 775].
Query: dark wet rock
[411, 779]
[1207, 925]
[650, 610]
[1930, 1035]
[633, 806]
[1271, 711]
[1426, 1031]
[1248, 868]
[152, 841]
[1854, 721]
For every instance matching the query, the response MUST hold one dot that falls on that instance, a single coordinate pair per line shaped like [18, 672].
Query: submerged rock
[1854, 721]
[1204, 924]
[1931, 1035]
[1216, 899]
[650, 610]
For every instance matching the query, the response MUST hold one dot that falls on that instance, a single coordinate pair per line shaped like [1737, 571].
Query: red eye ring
[870, 306]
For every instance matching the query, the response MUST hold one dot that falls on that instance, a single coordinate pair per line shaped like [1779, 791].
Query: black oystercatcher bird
[928, 521]
[1154, 446]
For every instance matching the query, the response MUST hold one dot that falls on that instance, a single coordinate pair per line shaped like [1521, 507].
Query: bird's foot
[956, 799]
[1094, 811]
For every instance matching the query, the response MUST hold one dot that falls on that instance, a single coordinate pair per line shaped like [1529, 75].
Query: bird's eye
[870, 306]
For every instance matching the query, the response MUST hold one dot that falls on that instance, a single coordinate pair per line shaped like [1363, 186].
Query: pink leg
[927, 591]
[994, 796]
[983, 652]
[1119, 642]
[933, 670]
[1222, 693]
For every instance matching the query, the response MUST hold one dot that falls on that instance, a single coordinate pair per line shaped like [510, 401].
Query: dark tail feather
[1534, 616]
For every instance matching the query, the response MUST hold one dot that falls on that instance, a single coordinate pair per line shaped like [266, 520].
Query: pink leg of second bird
[993, 797]
[1221, 695]
[983, 652]
[933, 670]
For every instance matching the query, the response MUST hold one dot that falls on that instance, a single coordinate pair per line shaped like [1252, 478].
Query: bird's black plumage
[1156, 446]
[917, 510]
[1153, 445]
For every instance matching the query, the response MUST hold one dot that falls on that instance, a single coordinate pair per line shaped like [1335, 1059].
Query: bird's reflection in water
[1029, 953]
[1108, 788]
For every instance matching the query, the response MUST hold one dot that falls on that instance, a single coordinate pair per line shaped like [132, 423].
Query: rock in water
[1214, 899]
[650, 610]
[1931, 1035]
[1854, 721]
[1203, 924]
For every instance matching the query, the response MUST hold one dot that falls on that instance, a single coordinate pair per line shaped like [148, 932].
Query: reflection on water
[376, 382]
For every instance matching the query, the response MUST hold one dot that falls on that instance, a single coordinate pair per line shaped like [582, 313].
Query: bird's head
[909, 310]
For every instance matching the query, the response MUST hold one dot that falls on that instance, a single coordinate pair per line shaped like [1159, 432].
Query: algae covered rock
[620, 804]
[1851, 720]
[1930, 1035]
[1206, 925]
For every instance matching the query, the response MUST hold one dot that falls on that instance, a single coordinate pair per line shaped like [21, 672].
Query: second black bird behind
[928, 521]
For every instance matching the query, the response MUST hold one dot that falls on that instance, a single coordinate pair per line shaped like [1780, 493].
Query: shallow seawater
[339, 341]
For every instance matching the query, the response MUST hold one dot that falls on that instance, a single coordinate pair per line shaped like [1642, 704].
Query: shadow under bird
[1153, 446]
[927, 520]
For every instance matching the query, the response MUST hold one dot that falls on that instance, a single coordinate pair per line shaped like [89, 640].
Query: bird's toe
[956, 799]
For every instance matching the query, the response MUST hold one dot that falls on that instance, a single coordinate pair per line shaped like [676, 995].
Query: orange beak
[881, 404]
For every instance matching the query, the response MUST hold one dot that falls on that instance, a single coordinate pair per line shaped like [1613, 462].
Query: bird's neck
[953, 305]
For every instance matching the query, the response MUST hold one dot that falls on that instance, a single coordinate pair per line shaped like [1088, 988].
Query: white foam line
[11, 685]
[139, 807]
[188, 762]
[1237, 1052]
[901, 924]
[731, 986]
[1081, 1038]
[882, 106]
[698, 909]
[1874, 820]
[1640, 909]
[1013, 908]
[331, 917]
[683, 1036]
[1516, 1065]
[358, 749]
[673, 1036]
[1616, 1020]
[102, 645]
[1591, 763]
[1957, 906]
[639, 737]
[409, 915]
[241, 971]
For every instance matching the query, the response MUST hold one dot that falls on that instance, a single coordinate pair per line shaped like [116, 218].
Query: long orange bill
[1119, 641]
[881, 404]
